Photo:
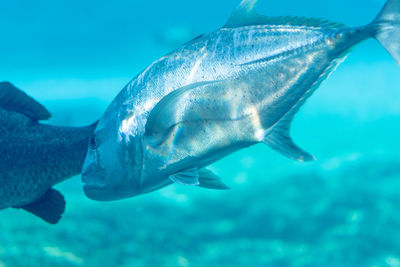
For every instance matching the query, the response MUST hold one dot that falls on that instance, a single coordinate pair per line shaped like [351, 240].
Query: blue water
[342, 210]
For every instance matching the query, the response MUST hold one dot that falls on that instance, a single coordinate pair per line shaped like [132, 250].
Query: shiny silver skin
[35, 156]
[257, 74]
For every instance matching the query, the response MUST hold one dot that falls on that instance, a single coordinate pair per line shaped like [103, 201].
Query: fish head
[109, 171]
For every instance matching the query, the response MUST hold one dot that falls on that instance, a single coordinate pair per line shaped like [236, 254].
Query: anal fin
[279, 138]
[283, 143]
[50, 207]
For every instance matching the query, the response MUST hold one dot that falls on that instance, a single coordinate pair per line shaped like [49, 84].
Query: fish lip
[92, 186]
[93, 180]
[91, 189]
[97, 192]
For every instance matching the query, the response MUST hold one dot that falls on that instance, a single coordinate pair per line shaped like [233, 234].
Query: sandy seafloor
[342, 210]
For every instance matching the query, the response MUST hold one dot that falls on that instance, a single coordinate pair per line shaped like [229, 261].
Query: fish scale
[24, 150]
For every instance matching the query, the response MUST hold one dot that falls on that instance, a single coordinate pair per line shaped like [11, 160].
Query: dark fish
[35, 156]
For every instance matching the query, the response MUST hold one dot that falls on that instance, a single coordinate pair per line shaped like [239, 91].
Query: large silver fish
[223, 91]
[35, 156]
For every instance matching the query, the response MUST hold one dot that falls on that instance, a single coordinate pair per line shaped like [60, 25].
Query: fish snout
[93, 174]
[93, 183]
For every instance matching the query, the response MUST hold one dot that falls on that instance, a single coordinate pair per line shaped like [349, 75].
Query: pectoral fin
[49, 208]
[205, 101]
[171, 109]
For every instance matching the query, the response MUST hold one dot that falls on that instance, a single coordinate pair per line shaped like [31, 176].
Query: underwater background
[342, 210]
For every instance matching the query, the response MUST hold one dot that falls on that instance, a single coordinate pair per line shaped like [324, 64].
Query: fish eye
[93, 143]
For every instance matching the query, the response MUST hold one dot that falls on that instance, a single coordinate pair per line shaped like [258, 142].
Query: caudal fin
[387, 24]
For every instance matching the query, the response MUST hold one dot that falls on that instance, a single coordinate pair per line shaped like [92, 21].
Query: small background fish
[341, 210]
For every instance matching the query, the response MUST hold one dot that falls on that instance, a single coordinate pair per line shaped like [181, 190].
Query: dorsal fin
[246, 15]
[11, 98]
[194, 39]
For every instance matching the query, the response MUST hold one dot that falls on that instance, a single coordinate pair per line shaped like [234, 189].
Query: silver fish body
[223, 91]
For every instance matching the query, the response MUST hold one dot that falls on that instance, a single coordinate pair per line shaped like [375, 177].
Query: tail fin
[387, 24]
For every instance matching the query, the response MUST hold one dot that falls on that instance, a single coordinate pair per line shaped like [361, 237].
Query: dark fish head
[108, 170]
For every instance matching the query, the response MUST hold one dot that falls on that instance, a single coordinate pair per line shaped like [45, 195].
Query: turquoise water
[342, 210]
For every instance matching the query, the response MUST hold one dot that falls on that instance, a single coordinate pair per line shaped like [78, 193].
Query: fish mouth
[99, 192]
[94, 183]
[93, 174]
[93, 186]
[93, 180]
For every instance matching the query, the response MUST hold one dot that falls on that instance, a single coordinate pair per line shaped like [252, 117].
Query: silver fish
[221, 92]
[35, 156]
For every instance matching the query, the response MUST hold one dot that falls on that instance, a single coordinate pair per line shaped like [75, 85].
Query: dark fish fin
[50, 207]
[11, 98]
[186, 177]
[208, 179]
[246, 15]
